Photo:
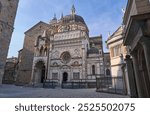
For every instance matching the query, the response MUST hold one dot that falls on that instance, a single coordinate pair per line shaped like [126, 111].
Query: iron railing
[72, 84]
[50, 83]
[114, 85]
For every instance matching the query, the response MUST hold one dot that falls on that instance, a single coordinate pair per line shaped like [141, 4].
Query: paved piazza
[11, 91]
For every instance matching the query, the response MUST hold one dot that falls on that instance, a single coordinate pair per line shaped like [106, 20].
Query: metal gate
[114, 85]
[78, 84]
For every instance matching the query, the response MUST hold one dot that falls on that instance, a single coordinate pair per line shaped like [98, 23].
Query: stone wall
[27, 55]
[10, 71]
[143, 6]
[7, 17]
[135, 7]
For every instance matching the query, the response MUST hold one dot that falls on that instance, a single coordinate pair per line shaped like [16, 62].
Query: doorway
[65, 77]
[39, 72]
[43, 74]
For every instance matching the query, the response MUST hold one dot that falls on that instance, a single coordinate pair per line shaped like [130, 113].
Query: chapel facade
[61, 51]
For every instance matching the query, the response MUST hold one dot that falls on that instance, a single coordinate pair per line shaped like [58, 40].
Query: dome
[93, 50]
[73, 18]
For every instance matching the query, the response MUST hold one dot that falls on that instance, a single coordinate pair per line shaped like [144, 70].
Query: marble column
[46, 70]
[32, 74]
[145, 41]
[1, 75]
[137, 74]
[49, 75]
[83, 62]
[140, 80]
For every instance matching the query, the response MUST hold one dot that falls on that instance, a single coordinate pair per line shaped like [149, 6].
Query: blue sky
[101, 17]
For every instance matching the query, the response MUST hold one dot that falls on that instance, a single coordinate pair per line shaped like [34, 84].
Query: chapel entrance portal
[65, 77]
[39, 72]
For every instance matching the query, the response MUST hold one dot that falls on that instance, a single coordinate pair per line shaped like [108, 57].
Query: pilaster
[145, 41]
[131, 76]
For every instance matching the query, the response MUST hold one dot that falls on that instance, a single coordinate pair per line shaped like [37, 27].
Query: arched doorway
[65, 77]
[107, 72]
[93, 69]
[39, 72]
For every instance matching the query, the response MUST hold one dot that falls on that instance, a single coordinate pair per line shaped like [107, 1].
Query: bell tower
[8, 9]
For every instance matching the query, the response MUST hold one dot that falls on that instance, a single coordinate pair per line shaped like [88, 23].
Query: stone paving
[12, 91]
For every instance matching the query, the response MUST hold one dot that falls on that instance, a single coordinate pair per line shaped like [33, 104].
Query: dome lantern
[73, 10]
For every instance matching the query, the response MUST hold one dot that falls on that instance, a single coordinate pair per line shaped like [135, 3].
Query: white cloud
[103, 25]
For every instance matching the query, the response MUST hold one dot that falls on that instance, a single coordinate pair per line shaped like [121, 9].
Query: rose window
[66, 57]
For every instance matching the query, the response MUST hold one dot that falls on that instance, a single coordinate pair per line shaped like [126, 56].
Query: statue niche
[42, 45]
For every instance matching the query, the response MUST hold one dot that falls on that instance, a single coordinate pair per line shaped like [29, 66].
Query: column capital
[146, 28]
[145, 41]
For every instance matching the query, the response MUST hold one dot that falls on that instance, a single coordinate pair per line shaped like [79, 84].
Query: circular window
[66, 57]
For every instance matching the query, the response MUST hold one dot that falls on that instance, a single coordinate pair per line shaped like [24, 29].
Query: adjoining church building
[118, 54]
[117, 51]
[61, 51]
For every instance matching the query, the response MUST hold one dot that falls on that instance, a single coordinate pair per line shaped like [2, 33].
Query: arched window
[76, 63]
[37, 41]
[93, 69]
[55, 64]
[45, 51]
[107, 72]
[41, 51]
